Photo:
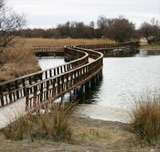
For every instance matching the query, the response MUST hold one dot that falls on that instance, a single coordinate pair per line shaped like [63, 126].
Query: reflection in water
[143, 53]
[124, 79]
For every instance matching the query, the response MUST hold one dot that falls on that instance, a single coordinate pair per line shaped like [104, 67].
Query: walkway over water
[43, 87]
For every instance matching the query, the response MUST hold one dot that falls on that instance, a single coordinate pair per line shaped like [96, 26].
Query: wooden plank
[1, 96]
[17, 92]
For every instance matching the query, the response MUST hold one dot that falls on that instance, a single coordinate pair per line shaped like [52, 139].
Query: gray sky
[50, 13]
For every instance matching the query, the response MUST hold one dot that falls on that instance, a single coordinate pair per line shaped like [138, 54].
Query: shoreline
[150, 47]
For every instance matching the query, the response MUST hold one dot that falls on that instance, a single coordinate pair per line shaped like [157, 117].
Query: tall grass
[29, 42]
[145, 119]
[17, 62]
[55, 125]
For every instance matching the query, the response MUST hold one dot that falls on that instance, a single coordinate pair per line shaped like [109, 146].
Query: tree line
[119, 29]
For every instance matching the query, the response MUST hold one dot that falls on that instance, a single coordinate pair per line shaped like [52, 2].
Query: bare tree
[151, 31]
[10, 24]
[119, 29]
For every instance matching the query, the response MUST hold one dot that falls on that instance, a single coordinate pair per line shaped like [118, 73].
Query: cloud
[59, 11]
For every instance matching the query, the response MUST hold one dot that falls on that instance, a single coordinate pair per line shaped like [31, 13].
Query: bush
[145, 119]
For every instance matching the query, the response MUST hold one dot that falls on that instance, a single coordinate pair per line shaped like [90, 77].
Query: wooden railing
[49, 84]
[110, 46]
[50, 89]
[12, 90]
[48, 48]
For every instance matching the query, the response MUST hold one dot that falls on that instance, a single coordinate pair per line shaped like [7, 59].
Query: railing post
[1, 96]
[35, 96]
[50, 73]
[54, 72]
[9, 91]
[27, 98]
[41, 93]
[47, 88]
[75, 93]
[90, 83]
[58, 85]
[58, 70]
[53, 88]
[17, 92]
[23, 81]
[83, 87]
[46, 74]
[30, 80]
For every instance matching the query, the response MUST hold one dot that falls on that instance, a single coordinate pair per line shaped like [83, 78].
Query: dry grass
[54, 125]
[17, 62]
[88, 135]
[29, 42]
[145, 119]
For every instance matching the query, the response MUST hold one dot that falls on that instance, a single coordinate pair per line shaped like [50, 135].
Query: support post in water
[1, 96]
[75, 93]
[95, 79]
[89, 83]
[83, 88]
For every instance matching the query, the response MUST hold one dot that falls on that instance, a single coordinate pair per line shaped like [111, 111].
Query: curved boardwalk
[40, 89]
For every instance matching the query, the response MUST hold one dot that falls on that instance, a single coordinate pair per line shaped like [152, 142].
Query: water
[50, 62]
[124, 79]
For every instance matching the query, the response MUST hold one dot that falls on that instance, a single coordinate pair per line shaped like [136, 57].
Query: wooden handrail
[50, 89]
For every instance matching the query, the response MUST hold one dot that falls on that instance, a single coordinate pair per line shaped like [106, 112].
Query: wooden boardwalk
[42, 88]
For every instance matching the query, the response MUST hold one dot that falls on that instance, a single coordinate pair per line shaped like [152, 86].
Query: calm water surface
[124, 79]
[50, 62]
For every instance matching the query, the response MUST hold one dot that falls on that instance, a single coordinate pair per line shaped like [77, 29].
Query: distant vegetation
[118, 29]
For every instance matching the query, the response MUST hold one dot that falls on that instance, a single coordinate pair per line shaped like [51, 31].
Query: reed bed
[29, 42]
[145, 119]
[15, 62]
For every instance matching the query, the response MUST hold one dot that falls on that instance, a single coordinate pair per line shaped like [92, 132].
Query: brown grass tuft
[54, 125]
[145, 119]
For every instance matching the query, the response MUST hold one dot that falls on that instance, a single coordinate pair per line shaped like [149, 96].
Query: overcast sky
[50, 13]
